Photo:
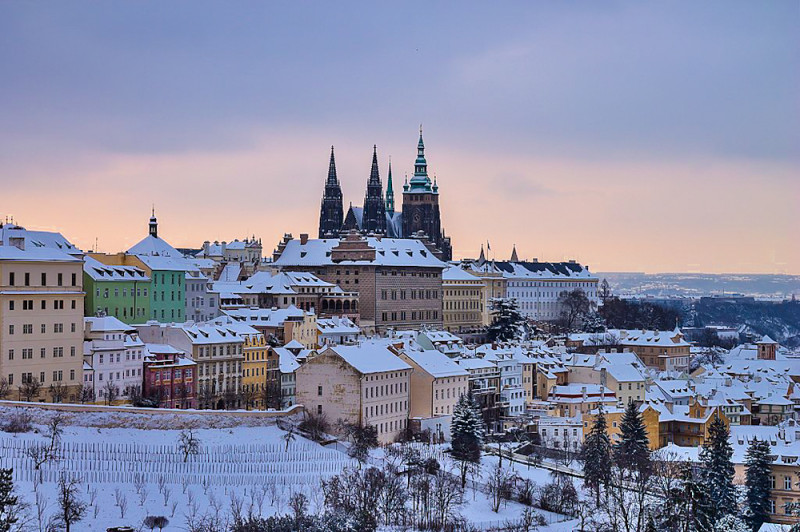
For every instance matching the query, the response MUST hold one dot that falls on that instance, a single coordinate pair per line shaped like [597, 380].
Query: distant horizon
[581, 131]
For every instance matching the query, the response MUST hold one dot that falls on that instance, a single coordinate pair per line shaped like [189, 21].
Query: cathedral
[420, 211]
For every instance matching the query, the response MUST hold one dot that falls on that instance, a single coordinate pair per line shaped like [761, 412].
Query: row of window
[412, 274]
[27, 353]
[58, 376]
[140, 292]
[12, 279]
[27, 328]
[415, 315]
[164, 278]
[380, 391]
[221, 350]
[385, 408]
[27, 304]
[461, 305]
[415, 294]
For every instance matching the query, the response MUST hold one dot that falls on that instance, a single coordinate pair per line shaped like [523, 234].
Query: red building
[169, 377]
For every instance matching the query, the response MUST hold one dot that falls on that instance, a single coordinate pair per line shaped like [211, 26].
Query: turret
[153, 224]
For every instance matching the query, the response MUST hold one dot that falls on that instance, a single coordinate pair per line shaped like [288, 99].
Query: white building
[336, 331]
[115, 354]
[537, 286]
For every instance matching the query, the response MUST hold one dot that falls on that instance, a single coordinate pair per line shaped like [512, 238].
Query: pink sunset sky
[657, 138]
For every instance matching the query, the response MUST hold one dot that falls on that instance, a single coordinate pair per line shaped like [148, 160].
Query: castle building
[420, 212]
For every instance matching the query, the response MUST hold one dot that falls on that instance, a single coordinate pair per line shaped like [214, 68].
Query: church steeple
[514, 257]
[331, 214]
[374, 215]
[420, 182]
[153, 224]
[389, 191]
[332, 179]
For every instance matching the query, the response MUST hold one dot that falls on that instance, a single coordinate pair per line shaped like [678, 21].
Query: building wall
[539, 299]
[254, 368]
[128, 301]
[167, 303]
[408, 297]
[45, 343]
[462, 305]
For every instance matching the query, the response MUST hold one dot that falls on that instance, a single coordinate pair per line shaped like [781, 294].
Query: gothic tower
[331, 213]
[421, 205]
[374, 214]
[389, 191]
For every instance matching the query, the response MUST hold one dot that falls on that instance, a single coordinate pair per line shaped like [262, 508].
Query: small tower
[389, 191]
[514, 257]
[766, 348]
[153, 224]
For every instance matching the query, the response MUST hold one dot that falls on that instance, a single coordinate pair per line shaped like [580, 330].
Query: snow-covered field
[129, 473]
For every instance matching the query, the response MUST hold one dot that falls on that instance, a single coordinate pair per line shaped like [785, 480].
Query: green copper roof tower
[420, 182]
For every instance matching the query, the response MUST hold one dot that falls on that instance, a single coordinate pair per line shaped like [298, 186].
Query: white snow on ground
[252, 464]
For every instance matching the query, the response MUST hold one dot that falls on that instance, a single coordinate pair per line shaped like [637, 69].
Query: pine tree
[507, 322]
[717, 472]
[693, 504]
[467, 431]
[731, 523]
[758, 482]
[9, 503]
[597, 456]
[632, 452]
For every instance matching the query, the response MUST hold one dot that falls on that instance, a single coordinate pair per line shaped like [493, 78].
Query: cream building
[436, 384]
[462, 300]
[41, 317]
[620, 372]
[218, 351]
[366, 384]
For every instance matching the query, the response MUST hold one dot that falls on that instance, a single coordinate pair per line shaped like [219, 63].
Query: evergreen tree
[9, 503]
[731, 523]
[717, 472]
[632, 451]
[467, 431]
[693, 504]
[507, 322]
[758, 482]
[597, 456]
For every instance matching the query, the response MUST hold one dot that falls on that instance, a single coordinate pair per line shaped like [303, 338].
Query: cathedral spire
[482, 258]
[332, 179]
[374, 213]
[331, 214]
[389, 190]
[374, 175]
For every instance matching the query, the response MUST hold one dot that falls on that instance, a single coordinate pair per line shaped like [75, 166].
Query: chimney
[224, 247]
[303, 239]
[206, 245]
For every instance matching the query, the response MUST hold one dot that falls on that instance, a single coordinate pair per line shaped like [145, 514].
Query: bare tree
[315, 425]
[30, 388]
[58, 391]
[184, 391]
[299, 505]
[289, 437]
[207, 396]
[575, 305]
[499, 486]
[446, 494]
[71, 508]
[249, 396]
[111, 391]
[85, 394]
[5, 389]
[188, 443]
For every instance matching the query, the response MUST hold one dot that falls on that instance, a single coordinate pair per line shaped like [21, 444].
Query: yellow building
[614, 420]
[254, 368]
[41, 321]
[462, 300]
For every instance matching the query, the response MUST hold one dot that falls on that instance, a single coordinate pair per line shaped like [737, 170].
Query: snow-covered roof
[454, 274]
[105, 272]
[265, 317]
[369, 358]
[294, 344]
[154, 246]
[435, 363]
[287, 362]
[388, 252]
[534, 270]
[35, 254]
[337, 325]
[651, 338]
[107, 324]
[37, 239]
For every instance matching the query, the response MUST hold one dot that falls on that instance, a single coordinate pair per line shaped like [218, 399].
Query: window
[319, 390]
[319, 408]
[27, 279]
[60, 279]
[11, 281]
[74, 280]
[44, 279]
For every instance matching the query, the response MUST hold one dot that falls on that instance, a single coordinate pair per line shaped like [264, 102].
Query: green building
[120, 291]
[168, 288]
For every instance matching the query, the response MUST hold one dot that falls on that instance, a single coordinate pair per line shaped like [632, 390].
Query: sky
[631, 136]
